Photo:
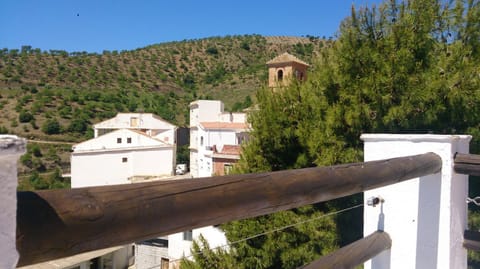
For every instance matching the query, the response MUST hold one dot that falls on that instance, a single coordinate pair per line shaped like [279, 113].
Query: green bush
[25, 116]
[51, 126]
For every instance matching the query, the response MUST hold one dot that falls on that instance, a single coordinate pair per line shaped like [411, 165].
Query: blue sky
[94, 26]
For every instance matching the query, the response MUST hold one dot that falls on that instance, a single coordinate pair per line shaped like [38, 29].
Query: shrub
[51, 126]
[212, 51]
[25, 116]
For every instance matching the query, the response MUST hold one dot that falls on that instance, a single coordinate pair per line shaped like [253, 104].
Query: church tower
[283, 68]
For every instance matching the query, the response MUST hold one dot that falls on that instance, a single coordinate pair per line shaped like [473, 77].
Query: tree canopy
[402, 67]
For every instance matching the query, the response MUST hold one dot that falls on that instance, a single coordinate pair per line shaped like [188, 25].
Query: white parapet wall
[11, 148]
[425, 217]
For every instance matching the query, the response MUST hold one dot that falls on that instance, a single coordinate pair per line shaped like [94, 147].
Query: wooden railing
[469, 164]
[354, 254]
[59, 223]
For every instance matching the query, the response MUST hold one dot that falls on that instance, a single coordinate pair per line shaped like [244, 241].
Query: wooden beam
[59, 223]
[468, 164]
[355, 253]
[471, 240]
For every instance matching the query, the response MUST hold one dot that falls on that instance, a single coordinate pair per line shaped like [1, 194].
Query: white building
[126, 148]
[129, 147]
[215, 138]
[167, 252]
[148, 123]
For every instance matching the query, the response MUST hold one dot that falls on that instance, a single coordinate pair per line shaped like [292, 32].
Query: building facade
[120, 157]
[127, 148]
[284, 68]
[215, 138]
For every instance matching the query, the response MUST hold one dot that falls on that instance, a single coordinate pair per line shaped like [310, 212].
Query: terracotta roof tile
[231, 150]
[224, 125]
[286, 58]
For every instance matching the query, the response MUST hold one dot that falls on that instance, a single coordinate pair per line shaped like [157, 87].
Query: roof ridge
[286, 58]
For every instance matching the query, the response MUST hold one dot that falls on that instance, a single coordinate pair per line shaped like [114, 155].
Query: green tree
[208, 258]
[25, 116]
[51, 126]
[409, 66]
[78, 125]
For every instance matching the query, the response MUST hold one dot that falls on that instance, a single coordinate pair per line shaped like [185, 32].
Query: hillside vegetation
[58, 95]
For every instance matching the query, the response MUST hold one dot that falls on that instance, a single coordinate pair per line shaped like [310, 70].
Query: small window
[227, 168]
[280, 75]
[119, 140]
[124, 159]
[164, 263]
[129, 140]
[133, 122]
[201, 141]
[187, 236]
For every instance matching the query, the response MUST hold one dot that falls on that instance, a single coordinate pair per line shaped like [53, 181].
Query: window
[187, 236]
[280, 75]
[119, 140]
[201, 140]
[133, 122]
[124, 159]
[164, 263]
[227, 168]
[129, 140]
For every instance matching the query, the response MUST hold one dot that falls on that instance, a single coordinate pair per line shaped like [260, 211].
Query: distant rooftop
[134, 120]
[286, 58]
[224, 125]
[230, 150]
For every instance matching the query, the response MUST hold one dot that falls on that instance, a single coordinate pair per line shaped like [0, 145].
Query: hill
[57, 95]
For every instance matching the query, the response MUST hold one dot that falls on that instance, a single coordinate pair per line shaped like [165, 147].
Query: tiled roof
[224, 125]
[286, 58]
[231, 150]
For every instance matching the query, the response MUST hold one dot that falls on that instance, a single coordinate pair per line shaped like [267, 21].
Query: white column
[11, 147]
[425, 217]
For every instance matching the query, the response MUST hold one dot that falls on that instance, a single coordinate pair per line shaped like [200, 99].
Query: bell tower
[285, 67]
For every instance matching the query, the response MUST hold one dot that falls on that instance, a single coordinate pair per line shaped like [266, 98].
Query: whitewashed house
[126, 148]
[167, 252]
[215, 138]
[147, 123]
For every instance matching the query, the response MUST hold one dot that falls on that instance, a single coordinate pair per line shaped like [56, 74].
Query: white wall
[233, 117]
[425, 217]
[148, 256]
[178, 248]
[145, 121]
[98, 168]
[193, 163]
[205, 110]
[221, 137]
[109, 141]
[99, 161]
[11, 147]
[203, 164]
[168, 136]
[194, 138]
[153, 161]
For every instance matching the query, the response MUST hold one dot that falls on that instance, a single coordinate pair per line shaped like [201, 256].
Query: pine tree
[408, 66]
